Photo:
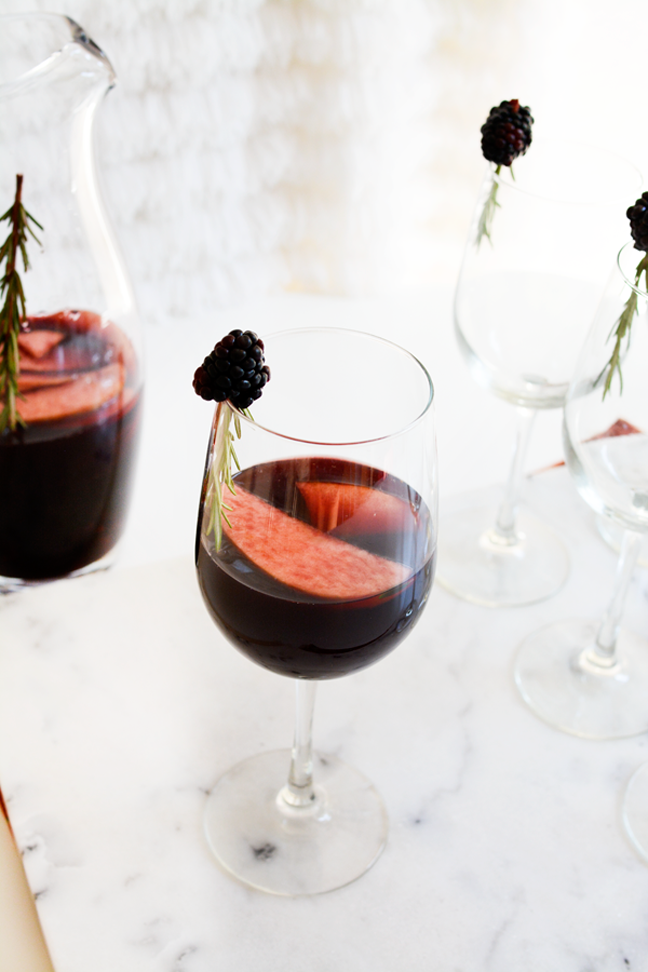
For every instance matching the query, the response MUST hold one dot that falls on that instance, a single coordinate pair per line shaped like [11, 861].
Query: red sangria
[324, 568]
[65, 476]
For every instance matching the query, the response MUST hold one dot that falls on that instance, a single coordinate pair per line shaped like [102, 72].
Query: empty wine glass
[590, 678]
[523, 303]
[324, 564]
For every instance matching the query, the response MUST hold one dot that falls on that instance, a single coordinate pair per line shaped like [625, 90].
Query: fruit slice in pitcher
[84, 394]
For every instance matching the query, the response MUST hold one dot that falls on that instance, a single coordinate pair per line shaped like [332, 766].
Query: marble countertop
[121, 704]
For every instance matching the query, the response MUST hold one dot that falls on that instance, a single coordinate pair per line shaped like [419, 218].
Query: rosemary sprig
[220, 473]
[622, 331]
[506, 135]
[13, 311]
[488, 212]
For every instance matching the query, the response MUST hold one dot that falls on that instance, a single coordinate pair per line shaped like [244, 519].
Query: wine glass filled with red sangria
[315, 554]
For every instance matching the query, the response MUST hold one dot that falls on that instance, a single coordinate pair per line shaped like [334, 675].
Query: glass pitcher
[66, 468]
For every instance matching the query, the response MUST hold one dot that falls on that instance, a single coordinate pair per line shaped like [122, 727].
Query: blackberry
[638, 216]
[506, 133]
[235, 370]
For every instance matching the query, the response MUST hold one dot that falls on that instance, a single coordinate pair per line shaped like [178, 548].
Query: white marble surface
[120, 705]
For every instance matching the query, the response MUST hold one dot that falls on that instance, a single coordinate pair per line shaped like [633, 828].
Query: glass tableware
[635, 810]
[585, 677]
[326, 567]
[523, 303]
[65, 478]
[613, 536]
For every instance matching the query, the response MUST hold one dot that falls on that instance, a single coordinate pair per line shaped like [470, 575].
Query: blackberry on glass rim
[506, 135]
[234, 370]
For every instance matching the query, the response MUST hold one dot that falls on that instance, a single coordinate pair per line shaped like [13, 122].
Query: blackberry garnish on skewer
[638, 216]
[234, 371]
[506, 135]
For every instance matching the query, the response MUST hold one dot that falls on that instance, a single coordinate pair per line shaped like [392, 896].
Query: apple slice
[355, 510]
[28, 380]
[303, 557]
[83, 394]
[70, 322]
[37, 344]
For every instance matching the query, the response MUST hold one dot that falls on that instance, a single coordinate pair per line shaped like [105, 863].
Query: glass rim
[341, 443]
[510, 183]
[77, 35]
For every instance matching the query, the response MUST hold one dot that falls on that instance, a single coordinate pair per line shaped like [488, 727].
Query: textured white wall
[332, 145]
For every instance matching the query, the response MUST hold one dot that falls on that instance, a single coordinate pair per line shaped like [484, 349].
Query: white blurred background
[270, 163]
[332, 146]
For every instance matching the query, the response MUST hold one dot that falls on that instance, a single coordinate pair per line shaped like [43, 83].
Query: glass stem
[507, 513]
[603, 652]
[299, 791]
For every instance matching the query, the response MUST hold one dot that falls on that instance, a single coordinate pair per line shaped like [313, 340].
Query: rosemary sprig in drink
[235, 371]
[220, 474]
[13, 311]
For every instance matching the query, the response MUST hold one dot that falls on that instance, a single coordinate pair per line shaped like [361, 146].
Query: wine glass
[585, 677]
[326, 563]
[524, 300]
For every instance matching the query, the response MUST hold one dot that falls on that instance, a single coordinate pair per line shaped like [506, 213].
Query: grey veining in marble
[120, 705]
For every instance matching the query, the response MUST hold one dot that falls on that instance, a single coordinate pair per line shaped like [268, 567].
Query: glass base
[267, 844]
[557, 682]
[635, 811]
[476, 566]
[11, 585]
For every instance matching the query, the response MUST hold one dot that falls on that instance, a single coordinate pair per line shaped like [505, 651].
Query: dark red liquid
[301, 635]
[65, 480]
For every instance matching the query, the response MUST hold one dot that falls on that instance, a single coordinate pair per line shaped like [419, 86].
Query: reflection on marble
[120, 705]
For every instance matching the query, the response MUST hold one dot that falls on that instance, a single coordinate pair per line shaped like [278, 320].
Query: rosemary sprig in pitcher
[13, 311]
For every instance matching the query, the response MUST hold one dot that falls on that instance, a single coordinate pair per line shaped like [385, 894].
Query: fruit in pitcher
[66, 475]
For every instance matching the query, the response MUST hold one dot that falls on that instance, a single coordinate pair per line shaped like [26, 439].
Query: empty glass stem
[602, 654]
[299, 791]
[504, 531]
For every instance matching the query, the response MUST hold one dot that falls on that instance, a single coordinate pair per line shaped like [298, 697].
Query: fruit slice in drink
[353, 510]
[303, 602]
[303, 557]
